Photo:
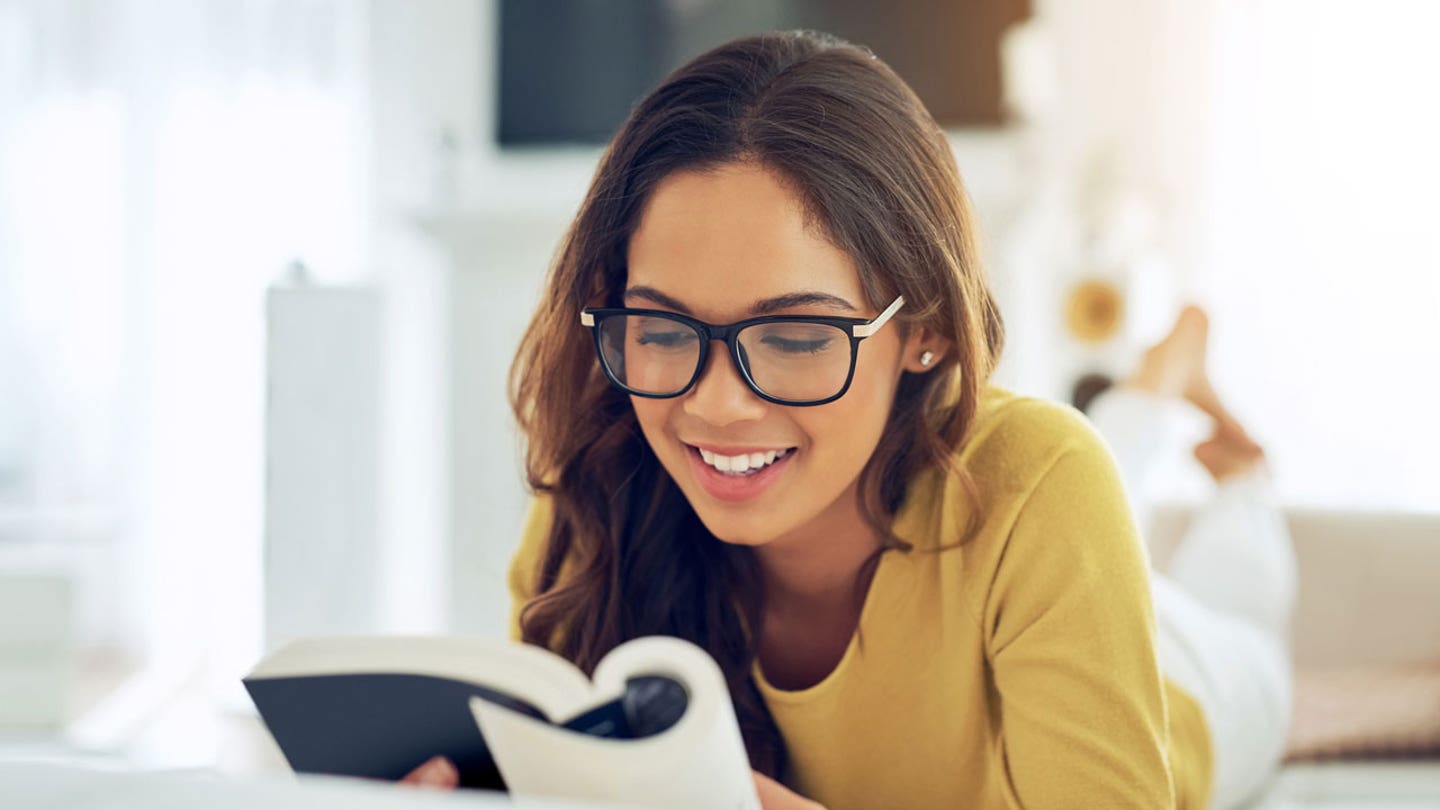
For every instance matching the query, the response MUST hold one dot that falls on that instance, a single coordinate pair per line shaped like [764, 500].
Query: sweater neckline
[876, 592]
[904, 525]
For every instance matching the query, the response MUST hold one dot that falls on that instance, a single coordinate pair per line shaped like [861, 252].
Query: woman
[758, 415]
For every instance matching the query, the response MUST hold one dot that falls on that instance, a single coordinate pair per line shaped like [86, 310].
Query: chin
[736, 531]
[740, 538]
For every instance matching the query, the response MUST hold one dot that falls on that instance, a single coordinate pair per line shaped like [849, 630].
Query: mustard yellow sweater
[1015, 671]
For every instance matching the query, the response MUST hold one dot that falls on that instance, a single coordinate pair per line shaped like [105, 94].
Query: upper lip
[739, 450]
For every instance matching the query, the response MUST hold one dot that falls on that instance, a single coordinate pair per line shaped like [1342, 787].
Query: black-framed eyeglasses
[785, 359]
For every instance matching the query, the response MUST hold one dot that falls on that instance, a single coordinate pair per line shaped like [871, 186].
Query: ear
[923, 345]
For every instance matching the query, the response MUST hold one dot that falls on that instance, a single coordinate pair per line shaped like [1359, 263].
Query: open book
[655, 727]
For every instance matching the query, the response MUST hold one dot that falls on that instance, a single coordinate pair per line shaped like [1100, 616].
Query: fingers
[436, 772]
[775, 796]
[765, 788]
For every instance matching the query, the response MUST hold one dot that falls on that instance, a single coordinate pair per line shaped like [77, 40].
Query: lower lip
[735, 488]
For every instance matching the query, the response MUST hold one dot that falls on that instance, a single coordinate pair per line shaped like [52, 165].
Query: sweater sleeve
[525, 564]
[1071, 643]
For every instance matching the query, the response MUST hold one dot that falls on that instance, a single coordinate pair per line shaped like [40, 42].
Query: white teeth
[743, 463]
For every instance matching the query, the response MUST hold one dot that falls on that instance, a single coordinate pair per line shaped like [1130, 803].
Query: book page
[531, 673]
[698, 763]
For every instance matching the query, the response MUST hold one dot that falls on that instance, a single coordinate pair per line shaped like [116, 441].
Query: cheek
[846, 431]
[857, 421]
[652, 414]
[656, 418]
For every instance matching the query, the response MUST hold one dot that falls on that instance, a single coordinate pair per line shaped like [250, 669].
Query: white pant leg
[1240, 676]
[1143, 431]
[1237, 560]
[1222, 613]
[1237, 555]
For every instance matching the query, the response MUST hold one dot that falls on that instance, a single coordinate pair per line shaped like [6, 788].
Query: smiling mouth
[742, 464]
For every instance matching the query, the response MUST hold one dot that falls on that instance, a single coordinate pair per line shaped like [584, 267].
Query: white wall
[459, 282]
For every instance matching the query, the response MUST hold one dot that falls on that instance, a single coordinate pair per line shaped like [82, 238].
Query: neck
[813, 569]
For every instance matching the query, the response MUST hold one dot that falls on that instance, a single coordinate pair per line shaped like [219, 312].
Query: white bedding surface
[39, 785]
[42, 785]
[1376, 785]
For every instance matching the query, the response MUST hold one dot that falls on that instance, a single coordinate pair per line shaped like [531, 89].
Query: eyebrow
[761, 307]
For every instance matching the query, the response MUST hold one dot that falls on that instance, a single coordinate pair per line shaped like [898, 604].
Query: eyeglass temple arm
[586, 319]
[868, 329]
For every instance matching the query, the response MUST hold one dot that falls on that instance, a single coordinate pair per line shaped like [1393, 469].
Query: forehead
[721, 239]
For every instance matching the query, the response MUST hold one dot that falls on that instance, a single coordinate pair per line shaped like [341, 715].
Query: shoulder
[1017, 440]
[525, 562]
[1014, 450]
[1054, 496]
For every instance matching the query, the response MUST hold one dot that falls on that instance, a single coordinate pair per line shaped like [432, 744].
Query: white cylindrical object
[322, 445]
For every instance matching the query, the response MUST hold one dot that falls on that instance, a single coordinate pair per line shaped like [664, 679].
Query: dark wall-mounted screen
[570, 70]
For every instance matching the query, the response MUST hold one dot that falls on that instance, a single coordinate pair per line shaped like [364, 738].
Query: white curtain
[160, 163]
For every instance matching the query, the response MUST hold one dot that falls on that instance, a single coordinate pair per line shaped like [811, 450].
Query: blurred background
[263, 266]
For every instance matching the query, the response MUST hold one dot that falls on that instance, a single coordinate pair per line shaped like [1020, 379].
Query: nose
[721, 397]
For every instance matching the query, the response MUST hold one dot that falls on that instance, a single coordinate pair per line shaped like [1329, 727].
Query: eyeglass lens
[793, 361]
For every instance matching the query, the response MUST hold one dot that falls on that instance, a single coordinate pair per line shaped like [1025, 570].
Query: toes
[1196, 316]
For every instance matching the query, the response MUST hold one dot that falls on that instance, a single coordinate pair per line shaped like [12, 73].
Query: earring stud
[925, 357]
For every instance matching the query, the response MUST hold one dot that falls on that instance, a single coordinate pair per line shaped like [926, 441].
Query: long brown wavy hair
[876, 173]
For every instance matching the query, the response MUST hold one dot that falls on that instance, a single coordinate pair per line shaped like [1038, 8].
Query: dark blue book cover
[383, 725]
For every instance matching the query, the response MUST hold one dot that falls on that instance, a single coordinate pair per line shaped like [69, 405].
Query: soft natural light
[142, 241]
[246, 181]
[1326, 263]
[64, 193]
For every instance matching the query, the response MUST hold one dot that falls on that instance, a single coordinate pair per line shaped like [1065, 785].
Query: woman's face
[716, 245]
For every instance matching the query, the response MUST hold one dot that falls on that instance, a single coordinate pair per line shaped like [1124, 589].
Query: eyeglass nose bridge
[729, 336]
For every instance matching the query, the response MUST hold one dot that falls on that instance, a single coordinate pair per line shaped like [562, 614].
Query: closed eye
[790, 346]
[667, 340]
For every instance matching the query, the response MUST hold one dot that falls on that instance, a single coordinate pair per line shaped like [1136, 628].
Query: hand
[775, 796]
[436, 772]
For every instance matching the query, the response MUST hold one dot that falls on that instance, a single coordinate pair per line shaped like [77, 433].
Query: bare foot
[1172, 366]
[1229, 453]
[1175, 367]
